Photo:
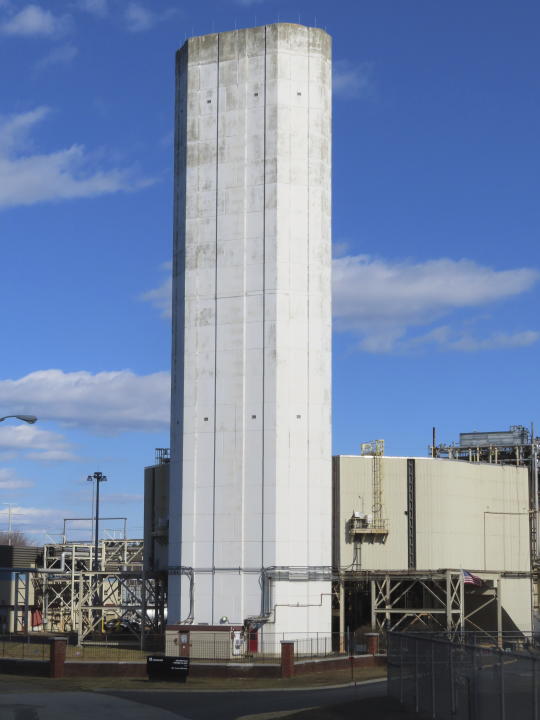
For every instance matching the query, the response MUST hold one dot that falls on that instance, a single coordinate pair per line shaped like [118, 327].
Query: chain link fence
[465, 678]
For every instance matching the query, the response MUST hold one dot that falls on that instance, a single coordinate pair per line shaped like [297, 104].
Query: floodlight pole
[99, 478]
[10, 505]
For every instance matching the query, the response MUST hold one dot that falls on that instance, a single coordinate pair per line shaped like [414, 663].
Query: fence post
[416, 698]
[433, 714]
[57, 657]
[287, 658]
[372, 643]
[501, 672]
[401, 659]
[474, 682]
[535, 690]
[452, 680]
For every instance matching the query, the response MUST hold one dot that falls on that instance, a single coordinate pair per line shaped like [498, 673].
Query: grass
[15, 683]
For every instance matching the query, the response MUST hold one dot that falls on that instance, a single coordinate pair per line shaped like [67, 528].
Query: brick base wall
[13, 666]
[105, 669]
[41, 668]
[304, 667]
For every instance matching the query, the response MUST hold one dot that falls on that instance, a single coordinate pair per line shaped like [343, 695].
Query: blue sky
[435, 227]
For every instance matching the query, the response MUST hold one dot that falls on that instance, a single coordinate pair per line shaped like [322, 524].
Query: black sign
[161, 667]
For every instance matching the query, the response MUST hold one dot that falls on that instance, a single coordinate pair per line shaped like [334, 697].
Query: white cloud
[95, 7]
[9, 480]
[105, 402]
[161, 297]
[24, 515]
[34, 21]
[40, 444]
[53, 456]
[139, 18]
[380, 301]
[28, 178]
[449, 339]
[352, 81]
[62, 55]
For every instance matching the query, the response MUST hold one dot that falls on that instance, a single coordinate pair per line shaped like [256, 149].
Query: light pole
[31, 419]
[99, 478]
[10, 505]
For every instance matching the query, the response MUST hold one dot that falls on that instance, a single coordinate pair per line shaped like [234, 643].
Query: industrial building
[18, 611]
[156, 513]
[410, 532]
[250, 470]
[427, 542]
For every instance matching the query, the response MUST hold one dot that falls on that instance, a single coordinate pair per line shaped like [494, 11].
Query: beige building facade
[425, 520]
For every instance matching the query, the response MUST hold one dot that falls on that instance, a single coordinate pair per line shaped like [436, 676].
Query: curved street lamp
[27, 418]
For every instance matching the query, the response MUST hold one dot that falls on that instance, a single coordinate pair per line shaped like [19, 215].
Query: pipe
[39, 569]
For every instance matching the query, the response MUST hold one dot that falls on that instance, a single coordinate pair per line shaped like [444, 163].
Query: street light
[99, 478]
[27, 418]
[31, 419]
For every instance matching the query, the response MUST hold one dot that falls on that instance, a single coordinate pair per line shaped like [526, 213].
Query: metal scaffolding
[73, 597]
[394, 601]
[427, 600]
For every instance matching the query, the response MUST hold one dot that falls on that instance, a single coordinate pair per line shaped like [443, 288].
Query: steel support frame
[391, 606]
[80, 599]
[21, 602]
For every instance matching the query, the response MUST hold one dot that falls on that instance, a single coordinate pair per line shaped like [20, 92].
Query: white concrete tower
[250, 485]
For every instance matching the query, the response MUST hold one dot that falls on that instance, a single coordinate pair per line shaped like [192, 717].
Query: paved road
[77, 706]
[235, 705]
[179, 705]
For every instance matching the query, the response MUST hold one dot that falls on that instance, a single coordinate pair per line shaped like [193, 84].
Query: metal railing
[109, 648]
[27, 647]
[461, 679]
[204, 647]
[264, 647]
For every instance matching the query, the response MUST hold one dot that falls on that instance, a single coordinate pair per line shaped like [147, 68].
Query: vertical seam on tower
[308, 307]
[244, 320]
[263, 310]
[215, 337]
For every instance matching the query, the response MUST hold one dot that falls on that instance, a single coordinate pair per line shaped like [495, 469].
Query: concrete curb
[363, 683]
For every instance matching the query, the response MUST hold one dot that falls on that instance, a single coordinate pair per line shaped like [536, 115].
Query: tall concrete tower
[250, 484]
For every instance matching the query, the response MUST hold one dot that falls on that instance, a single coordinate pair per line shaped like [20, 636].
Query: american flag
[470, 579]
